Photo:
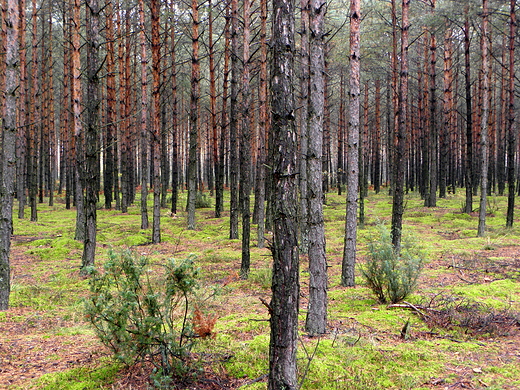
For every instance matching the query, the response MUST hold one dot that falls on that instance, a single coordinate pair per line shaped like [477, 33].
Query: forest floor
[464, 316]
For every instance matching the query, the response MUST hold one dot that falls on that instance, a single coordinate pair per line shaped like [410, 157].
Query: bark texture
[8, 162]
[285, 283]
[349, 249]
[316, 321]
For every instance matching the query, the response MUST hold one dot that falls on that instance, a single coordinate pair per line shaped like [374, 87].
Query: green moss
[81, 378]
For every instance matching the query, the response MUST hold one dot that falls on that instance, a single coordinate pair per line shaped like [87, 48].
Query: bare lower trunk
[285, 282]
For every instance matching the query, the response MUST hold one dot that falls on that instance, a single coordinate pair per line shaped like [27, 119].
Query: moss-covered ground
[45, 343]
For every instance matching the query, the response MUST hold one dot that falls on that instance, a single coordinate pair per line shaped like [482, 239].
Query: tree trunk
[156, 121]
[233, 125]
[511, 128]
[144, 129]
[484, 122]
[285, 282]
[469, 118]
[316, 321]
[110, 129]
[431, 197]
[304, 125]
[8, 162]
[34, 132]
[91, 134]
[174, 108]
[400, 147]
[349, 249]
[376, 178]
[194, 117]
[23, 112]
[245, 147]
[262, 127]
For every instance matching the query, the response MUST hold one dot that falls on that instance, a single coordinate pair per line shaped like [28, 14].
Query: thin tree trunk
[245, 146]
[156, 122]
[219, 198]
[78, 124]
[511, 140]
[376, 179]
[233, 125]
[194, 117]
[8, 162]
[110, 128]
[262, 127]
[484, 122]
[431, 197]
[35, 118]
[349, 249]
[469, 118]
[144, 129]
[285, 282]
[174, 107]
[213, 113]
[304, 125]
[21, 144]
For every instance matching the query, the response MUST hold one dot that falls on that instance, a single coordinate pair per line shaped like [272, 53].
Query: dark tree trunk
[316, 320]
[262, 128]
[285, 282]
[8, 162]
[194, 115]
[110, 129]
[400, 147]
[91, 134]
[144, 117]
[304, 124]
[23, 118]
[511, 128]
[245, 147]
[174, 107]
[156, 121]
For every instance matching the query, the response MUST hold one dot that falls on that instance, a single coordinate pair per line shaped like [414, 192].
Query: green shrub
[139, 318]
[391, 276]
[202, 201]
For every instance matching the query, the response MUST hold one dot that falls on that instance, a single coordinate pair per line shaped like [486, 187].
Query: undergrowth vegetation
[457, 324]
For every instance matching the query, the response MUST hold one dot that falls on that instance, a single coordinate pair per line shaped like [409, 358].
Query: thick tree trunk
[349, 249]
[285, 282]
[484, 122]
[316, 321]
[91, 134]
[8, 162]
